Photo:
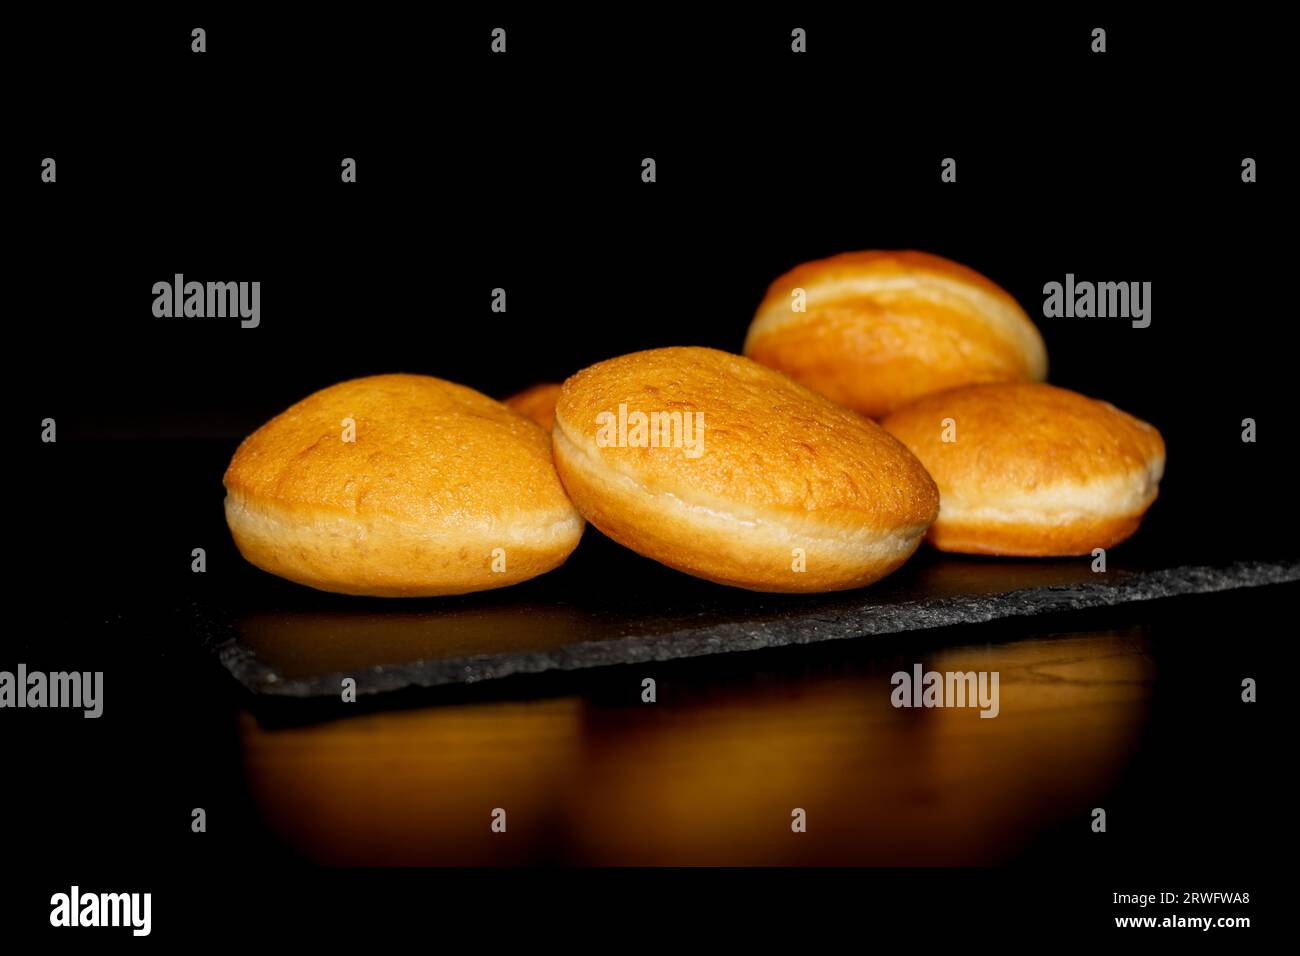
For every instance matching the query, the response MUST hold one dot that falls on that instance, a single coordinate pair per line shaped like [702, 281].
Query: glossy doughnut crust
[1033, 470]
[442, 491]
[881, 329]
[786, 491]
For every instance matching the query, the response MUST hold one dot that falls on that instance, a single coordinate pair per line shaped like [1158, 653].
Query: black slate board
[608, 606]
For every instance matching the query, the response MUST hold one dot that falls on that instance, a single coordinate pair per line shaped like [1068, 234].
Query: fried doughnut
[537, 402]
[399, 486]
[880, 329]
[724, 469]
[1031, 470]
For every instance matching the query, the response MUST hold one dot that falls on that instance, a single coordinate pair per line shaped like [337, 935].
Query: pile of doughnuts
[766, 471]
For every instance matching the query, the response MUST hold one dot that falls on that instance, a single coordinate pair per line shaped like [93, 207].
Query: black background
[477, 171]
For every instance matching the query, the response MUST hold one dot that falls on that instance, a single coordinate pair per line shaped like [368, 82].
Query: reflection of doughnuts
[883, 328]
[441, 491]
[778, 470]
[1033, 470]
[536, 402]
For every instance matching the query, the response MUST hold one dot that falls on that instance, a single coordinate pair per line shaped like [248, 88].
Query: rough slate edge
[728, 638]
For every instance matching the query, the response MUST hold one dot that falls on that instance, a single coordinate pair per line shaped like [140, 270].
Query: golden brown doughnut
[442, 491]
[883, 328]
[536, 402]
[778, 478]
[1032, 470]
